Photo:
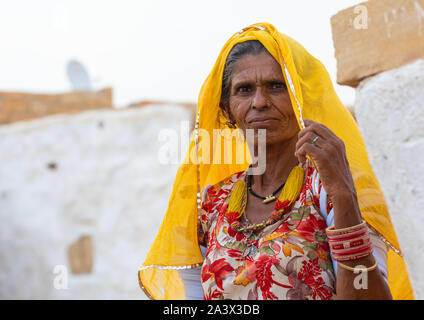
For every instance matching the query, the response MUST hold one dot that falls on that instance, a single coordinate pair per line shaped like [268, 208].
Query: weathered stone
[389, 110]
[80, 255]
[26, 106]
[376, 36]
[189, 106]
[94, 173]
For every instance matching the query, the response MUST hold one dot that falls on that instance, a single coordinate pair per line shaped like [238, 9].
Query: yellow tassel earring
[236, 198]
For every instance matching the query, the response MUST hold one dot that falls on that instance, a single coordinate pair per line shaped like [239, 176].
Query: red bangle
[345, 252]
[349, 244]
[352, 257]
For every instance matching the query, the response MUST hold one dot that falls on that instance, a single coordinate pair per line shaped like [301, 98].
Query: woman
[279, 234]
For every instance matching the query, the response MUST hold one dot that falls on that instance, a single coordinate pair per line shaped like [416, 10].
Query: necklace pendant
[269, 199]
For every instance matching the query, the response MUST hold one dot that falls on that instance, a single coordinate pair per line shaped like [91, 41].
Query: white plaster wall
[389, 109]
[108, 184]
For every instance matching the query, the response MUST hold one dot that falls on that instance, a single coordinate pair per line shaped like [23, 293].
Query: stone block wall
[379, 47]
[376, 36]
[390, 114]
[17, 106]
[82, 197]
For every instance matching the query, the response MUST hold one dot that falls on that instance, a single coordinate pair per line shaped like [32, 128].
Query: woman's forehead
[257, 67]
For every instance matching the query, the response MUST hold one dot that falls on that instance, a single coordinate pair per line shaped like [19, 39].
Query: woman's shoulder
[222, 188]
[213, 197]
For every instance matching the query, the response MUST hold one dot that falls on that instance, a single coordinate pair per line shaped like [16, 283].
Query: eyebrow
[249, 82]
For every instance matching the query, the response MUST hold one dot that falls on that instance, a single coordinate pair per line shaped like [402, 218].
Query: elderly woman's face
[259, 98]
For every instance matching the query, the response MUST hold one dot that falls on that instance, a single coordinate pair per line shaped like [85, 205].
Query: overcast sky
[161, 50]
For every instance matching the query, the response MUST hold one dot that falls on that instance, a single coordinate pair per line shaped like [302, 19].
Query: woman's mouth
[261, 122]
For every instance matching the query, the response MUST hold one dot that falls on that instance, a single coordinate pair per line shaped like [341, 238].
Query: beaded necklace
[238, 199]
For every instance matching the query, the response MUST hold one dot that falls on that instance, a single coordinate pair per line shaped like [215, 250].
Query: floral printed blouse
[286, 260]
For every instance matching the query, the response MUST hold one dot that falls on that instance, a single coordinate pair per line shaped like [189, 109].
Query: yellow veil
[313, 97]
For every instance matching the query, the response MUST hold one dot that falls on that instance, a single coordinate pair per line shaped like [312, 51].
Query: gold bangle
[373, 267]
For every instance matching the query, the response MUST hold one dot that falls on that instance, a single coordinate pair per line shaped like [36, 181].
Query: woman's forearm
[351, 285]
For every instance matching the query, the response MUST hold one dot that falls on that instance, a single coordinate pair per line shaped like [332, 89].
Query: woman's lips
[261, 122]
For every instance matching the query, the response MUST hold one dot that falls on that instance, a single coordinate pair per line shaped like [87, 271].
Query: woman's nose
[259, 99]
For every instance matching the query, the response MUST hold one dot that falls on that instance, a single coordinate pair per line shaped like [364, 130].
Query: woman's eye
[277, 85]
[244, 89]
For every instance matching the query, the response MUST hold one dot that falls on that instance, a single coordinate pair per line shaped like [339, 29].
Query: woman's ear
[231, 123]
[227, 115]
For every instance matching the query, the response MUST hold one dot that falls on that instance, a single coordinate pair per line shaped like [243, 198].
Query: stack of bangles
[349, 244]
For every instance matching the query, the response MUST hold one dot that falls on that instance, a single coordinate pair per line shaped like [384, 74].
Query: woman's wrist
[346, 210]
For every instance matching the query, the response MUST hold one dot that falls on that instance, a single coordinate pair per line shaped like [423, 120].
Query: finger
[312, 138]
[307, 149]
[301, 157]
[323, 132]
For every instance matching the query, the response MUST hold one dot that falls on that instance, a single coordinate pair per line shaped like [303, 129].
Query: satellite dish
[78, 76]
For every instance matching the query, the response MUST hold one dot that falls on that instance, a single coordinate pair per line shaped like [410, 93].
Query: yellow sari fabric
[313, 97]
